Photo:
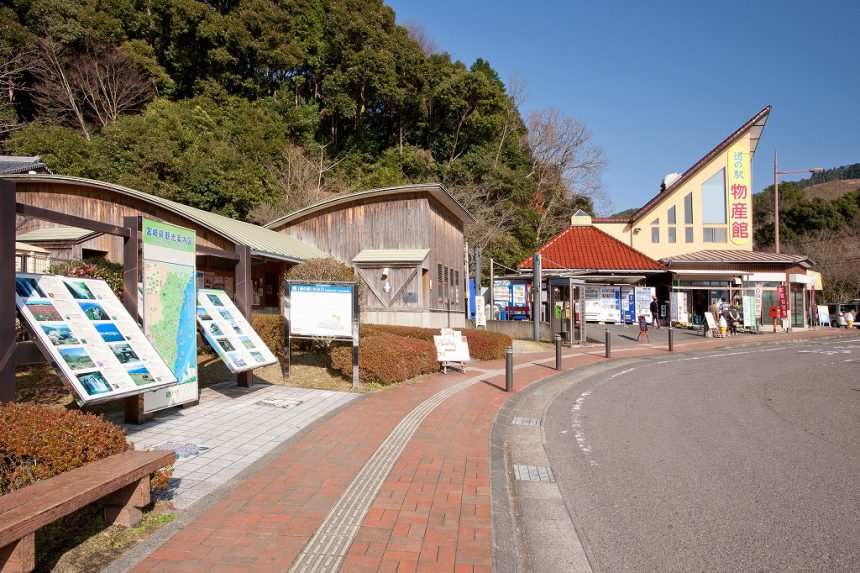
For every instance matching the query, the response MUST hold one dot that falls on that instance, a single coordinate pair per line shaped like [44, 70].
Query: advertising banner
[750, 311]
[320, 310]
[678, 307]
[739, 194]
[783, 302]
[229, 333]
[169, 307]
[89, 337]
[759, 296]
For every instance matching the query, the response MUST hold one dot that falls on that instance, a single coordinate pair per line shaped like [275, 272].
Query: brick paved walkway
[432, 512]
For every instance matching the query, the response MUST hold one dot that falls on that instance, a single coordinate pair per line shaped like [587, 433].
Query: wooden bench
[122, 479]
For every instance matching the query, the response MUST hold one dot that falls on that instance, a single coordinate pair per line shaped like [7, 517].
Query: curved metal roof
[262, 241]
[436, 190]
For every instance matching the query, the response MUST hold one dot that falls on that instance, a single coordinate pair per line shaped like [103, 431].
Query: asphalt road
[733, 460]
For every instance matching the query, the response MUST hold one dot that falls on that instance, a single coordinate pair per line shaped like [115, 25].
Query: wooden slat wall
[407, 221]
[105, 206]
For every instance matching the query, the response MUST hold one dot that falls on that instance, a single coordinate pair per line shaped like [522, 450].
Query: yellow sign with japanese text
[739, 194]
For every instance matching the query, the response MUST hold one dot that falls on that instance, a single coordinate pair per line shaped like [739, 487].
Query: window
[714, 235]
[688, 210]
[714, 199]
[671, 216]
[672, 235]
[688, 232]
[655, 234]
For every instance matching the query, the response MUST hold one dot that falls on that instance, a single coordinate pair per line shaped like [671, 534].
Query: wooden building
[271, 253]
[406, 243]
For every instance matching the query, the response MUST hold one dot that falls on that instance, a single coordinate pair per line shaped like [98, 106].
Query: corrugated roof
[262, 241]
[29, 248]
[12, 164]
[391, 256]
[61, 233]
[755, 123]
[733, 256]
[589, 248]
[435, 189]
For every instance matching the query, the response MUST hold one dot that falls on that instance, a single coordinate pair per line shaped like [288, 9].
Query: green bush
[387, 358]
[328, 269]
[96, 268]
[39, 442]
[483, 344]
[270, 327]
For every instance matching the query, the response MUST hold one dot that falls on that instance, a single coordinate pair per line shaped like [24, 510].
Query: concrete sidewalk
[396, 481]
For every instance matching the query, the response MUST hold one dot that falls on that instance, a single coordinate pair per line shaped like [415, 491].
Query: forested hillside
[826, 230]
[253, 108]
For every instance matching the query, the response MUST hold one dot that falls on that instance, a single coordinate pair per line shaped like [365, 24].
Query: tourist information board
[169, 307]
[323, 310]
[89, 337]
[229, 333]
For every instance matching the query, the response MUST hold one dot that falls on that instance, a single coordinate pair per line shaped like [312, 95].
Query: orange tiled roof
[589, 248]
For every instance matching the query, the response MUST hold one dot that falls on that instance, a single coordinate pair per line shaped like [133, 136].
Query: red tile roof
[589, 248]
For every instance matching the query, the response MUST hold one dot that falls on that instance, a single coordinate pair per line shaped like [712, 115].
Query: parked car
[837, 312]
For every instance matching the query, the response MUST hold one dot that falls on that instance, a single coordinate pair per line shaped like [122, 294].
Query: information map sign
[89, 337]
[323, 310]
[169, 307]
[229, 333]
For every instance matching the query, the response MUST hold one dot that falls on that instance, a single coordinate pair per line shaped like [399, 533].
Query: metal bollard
[509, 369]
[608, 344]
[671, 338]
[558, 352]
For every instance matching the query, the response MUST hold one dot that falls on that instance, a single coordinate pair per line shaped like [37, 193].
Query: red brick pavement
[432, 513]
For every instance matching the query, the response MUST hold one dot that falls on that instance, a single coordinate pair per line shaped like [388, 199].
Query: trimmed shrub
[39, 442]
[387, 358]
[97, 268]
[270, 327]
[328, 269]
[483, 344]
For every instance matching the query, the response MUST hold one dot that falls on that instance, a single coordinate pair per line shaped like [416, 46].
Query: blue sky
[659, 84]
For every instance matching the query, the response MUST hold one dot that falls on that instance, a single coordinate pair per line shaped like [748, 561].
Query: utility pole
[536, 288]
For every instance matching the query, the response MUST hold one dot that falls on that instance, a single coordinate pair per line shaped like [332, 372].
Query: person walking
[655, 312]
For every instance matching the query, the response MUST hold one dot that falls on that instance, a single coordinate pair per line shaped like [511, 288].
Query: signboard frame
[163, 244]
[356, 312]
[223, 321]
[104, 360]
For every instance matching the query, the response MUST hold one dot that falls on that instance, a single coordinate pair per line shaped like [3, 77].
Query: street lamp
[776, 174]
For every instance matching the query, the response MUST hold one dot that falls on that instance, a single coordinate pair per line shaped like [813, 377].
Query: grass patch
[83, 543]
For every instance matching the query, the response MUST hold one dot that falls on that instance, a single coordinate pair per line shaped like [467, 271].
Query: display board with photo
[229, 333]
[87, 334]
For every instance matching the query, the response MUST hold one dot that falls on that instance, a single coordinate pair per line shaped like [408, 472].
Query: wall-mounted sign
[320, 310]
[168, 307]
[89, 337]
[229, 333]
[739, 194]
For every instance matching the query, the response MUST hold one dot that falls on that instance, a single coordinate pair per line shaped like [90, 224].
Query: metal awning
[390, 256]
[61, 233]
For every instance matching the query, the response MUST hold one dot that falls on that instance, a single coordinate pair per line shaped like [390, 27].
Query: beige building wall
[638, 234]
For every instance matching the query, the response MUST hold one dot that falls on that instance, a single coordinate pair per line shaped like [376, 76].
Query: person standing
[655, 312]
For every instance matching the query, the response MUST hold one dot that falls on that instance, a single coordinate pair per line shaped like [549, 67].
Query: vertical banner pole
[7, 288]
[285, 369]
[243, 301]
[355, 336]
[479, 300]
[536, 288]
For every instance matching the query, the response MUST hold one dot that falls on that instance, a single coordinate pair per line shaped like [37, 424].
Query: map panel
[229, 333]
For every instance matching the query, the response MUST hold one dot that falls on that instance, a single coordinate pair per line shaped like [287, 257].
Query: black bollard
[509, 369]
[671, 338]
[608, 344]
[558, 352]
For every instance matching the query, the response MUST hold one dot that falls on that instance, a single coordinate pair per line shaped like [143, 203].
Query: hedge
[270, 327]
[39, 442]
[386, 358]
[483, 344]
[94, 268]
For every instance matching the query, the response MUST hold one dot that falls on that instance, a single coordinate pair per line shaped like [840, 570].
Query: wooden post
[19, 556]
[123, 507]
[133, 405]
[7, 293]
[244, 301]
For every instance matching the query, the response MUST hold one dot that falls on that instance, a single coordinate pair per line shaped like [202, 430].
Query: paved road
[735, 460]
